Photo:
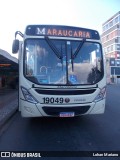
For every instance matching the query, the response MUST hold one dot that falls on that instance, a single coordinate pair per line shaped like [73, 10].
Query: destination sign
[61, 31]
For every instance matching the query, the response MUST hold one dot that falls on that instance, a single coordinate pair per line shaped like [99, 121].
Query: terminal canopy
[7, 63]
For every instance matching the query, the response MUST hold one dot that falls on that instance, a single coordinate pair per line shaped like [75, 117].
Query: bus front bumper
[39, 110]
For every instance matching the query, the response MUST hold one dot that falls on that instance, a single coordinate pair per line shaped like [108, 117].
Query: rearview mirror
[15, 46]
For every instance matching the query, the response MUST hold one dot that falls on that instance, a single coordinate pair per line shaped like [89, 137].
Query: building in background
[111, 46]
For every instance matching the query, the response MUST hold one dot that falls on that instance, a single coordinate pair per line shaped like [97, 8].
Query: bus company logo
[67, 100]
[40, 31]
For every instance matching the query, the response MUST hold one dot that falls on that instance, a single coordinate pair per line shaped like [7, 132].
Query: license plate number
[67, 114]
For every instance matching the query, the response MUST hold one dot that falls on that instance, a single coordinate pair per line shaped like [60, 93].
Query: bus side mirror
[15, 46]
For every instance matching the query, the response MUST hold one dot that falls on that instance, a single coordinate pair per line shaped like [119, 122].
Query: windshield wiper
[78, 49]
[55, 50]
[72, 58]
[62, 57]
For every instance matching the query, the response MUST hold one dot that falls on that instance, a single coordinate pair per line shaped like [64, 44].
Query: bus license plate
[67, 114]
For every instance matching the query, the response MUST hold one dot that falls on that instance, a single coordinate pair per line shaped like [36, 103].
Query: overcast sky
[16, 14]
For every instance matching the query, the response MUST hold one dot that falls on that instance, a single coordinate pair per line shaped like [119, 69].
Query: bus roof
[61, 31]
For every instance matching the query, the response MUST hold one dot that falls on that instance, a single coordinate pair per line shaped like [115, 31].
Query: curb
[7, 112]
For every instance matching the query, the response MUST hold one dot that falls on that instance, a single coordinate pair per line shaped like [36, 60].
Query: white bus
[61, 71]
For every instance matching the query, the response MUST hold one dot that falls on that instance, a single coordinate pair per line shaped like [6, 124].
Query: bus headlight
[28, 97]
[101, 95]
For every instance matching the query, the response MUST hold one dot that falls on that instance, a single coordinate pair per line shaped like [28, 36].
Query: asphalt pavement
[8, 104]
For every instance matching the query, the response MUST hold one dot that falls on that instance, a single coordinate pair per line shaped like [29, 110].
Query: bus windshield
[62, 62]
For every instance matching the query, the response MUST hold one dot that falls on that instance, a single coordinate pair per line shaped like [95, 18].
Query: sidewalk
[8, 104]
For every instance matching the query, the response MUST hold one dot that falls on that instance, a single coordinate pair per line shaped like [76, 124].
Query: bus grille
[65, 92]
[55, 111]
